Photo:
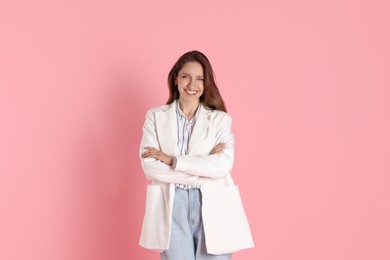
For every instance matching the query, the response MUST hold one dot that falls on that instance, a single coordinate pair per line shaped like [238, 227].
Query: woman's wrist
[168, 160]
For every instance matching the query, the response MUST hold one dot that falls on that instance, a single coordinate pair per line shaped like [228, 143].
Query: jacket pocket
[225, 224]
[156, 224]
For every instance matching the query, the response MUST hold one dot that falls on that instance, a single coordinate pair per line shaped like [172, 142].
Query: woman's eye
[200, 78]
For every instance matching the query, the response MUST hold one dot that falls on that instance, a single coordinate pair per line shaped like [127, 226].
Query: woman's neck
[188, 108]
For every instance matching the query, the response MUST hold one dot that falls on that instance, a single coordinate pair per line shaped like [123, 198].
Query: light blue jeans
[187, 234]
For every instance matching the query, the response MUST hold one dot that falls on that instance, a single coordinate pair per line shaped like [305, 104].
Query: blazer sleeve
[153, 168]
[214, 165]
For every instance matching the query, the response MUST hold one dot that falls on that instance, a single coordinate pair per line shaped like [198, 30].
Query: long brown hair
[211, 97]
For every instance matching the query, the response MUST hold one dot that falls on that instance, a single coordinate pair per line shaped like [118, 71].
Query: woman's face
[190, 81]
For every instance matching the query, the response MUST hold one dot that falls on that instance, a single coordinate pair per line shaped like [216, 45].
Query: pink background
[307, 83]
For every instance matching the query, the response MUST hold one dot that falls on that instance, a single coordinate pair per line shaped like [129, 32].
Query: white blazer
[225, 224]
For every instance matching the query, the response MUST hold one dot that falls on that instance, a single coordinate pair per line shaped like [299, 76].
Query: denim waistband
[186, 187]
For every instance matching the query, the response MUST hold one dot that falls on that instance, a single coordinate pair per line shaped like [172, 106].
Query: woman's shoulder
[218, 115]
[161, 108]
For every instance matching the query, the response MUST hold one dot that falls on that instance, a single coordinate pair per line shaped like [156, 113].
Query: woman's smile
[191, 92]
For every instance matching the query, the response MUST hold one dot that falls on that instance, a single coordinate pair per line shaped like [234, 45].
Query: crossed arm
[189, 168]
[152, 152]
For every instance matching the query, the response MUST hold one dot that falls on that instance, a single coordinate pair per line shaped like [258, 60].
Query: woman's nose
[191, 83]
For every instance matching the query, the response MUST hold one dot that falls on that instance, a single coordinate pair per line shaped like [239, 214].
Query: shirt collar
[180, 113]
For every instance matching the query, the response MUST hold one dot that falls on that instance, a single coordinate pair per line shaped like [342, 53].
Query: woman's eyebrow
[199, 76]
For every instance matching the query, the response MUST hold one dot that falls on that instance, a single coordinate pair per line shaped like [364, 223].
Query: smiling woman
[196, 69]
[193, 207]
[190, 84]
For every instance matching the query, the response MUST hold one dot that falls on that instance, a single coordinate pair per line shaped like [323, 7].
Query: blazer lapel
[201, 128]
[166, 125]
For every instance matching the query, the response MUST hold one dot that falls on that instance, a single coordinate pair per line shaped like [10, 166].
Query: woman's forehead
[192, 68]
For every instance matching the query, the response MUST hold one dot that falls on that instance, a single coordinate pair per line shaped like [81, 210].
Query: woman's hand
[218, 148]
[152, 152]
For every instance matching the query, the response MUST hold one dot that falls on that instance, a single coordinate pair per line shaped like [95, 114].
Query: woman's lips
[191, 92]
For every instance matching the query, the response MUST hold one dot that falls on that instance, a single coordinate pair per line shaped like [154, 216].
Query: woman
[193, 208]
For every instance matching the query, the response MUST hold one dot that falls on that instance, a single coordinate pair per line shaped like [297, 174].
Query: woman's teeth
[191, 92]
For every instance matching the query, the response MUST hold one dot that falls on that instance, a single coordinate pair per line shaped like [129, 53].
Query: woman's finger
[218, 148]
[220, 145]
[149, 151]
[145, 154]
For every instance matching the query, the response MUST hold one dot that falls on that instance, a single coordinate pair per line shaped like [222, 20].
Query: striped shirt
[184, 131]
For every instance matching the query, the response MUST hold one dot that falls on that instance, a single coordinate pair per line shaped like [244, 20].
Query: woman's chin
[189, 98]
